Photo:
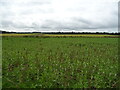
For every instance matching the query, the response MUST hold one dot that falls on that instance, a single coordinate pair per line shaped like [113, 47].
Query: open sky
[59, 15]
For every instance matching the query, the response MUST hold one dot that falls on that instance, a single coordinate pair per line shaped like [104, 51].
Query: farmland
[67, 62]
[55, 35]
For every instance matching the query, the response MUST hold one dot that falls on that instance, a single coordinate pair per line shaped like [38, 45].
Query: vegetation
[30, 62]
[56, 35]
[0, 62]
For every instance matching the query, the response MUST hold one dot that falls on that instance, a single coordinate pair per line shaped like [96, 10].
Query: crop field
[57, 35]
[67, 62]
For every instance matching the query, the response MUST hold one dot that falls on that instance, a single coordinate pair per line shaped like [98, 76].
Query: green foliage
[30, 62]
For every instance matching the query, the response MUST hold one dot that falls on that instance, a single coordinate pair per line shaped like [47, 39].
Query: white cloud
[40, 15]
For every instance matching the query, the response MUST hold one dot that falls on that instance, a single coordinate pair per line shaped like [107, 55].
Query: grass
[30, 62]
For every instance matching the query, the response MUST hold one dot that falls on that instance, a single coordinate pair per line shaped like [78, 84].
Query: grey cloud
[37, 11]
[78, 24]
[39, 2]
[50, 24]
[6, 23]
[39, 8]
[74, 24]
[9, 24]
[27, 2]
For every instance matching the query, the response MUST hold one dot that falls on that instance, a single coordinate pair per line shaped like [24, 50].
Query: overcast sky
[59, 15]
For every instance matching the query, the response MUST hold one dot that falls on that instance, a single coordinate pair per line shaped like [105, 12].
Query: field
[0, 63]
[67, 62]
[57, 35]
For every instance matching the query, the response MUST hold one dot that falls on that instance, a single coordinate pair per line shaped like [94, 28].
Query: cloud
[52, 15]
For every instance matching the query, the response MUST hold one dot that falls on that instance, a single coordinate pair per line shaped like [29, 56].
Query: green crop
[29, 62]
